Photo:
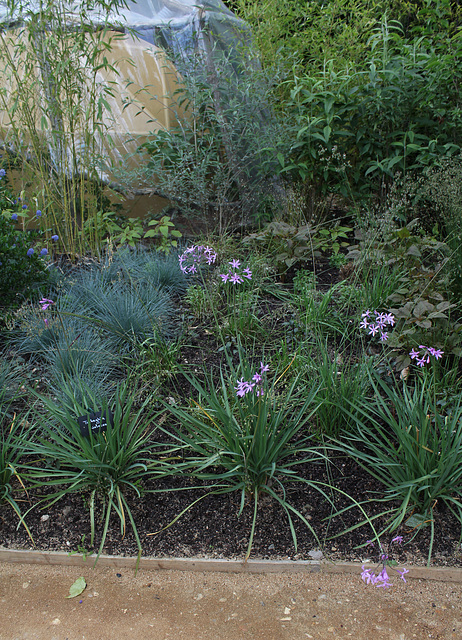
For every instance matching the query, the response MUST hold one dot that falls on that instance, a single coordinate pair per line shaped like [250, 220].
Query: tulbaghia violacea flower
[235, 278]
[194, 256]
[382, 579]
[422, 357]
[247, 273]
[45, 303]
[402, 572]
[373, 329]
[376, 322]
[255, 384]
[236, 273]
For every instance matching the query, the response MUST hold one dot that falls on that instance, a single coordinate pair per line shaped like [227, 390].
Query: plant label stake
[96, 421]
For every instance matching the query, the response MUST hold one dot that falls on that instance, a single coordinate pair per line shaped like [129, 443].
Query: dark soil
[212, 528]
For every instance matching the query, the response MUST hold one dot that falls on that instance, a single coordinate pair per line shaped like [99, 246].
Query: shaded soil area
[162, 605]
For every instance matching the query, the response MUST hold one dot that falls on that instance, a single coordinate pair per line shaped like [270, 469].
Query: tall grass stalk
[57, 107]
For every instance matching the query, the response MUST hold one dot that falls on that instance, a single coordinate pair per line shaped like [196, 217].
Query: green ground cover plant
[107, 465]
[413, 447]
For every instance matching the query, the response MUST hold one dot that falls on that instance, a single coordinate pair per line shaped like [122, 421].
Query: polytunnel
[123, 78]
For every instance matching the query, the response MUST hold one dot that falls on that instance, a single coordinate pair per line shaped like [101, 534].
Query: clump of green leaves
[109, 464]
[298, 245]
[163, 230]
[251, 443]
[412, 446]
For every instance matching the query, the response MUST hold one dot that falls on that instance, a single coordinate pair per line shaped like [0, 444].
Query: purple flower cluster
[377, 323]
[382, 579]
[255, 385]
[45, 303]
[236, 273]
[44, 251]
[195, 255]
[422, 357]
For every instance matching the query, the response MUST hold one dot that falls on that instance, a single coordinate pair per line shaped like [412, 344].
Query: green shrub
[20, 274]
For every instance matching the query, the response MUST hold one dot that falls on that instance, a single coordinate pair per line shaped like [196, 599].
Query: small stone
[25, 585]
[44, 518]
[315, 554]
[56, 621]
[286, 611]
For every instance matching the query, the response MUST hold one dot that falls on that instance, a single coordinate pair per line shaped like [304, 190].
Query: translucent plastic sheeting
[138, 104]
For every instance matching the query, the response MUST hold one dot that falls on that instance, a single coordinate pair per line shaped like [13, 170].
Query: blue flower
[38, 213]
[14, 216]
[30, 252]
[44, 252]
[24, 206]
[55, 238]
[2, 173]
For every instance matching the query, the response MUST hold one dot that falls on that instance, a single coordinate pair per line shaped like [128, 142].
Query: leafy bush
[21, 272]
[398, 112]
[218, 162]
[296, 246]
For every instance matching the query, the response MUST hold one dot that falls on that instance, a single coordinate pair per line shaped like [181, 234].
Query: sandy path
[176, 605]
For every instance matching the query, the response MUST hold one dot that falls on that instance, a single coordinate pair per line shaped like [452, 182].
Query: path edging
[61, 558]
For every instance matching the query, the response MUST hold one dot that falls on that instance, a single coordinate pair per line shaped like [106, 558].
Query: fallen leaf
[77, 588]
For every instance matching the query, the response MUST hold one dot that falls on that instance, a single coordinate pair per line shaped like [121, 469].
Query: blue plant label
[96, 421]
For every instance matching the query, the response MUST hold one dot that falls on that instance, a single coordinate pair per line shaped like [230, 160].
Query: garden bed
[274, 325]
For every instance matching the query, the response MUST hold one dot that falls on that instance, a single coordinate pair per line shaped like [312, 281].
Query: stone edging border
[61, 558]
